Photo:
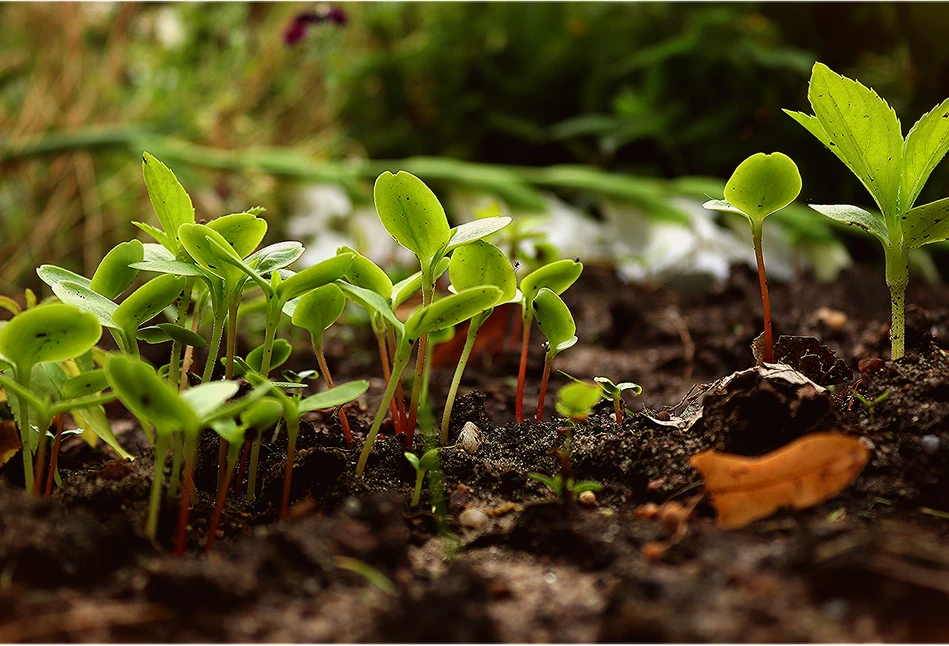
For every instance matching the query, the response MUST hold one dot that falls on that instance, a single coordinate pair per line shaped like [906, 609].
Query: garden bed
[869, 564]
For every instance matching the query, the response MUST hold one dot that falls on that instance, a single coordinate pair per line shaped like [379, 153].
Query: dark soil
[355, 563]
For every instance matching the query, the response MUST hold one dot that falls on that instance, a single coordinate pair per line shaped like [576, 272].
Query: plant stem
[343, 420]
[401, 361]
[176, 459]
[234, 303]
[765, 300]
[473, 327]
[548, 361]
[417, 496]
[25, 427]
[386, 372]
[39, 463]
[897, 278]
[399, 393]
[252, 470]
[184, 302]
[54, 459]
[240, 469]
[618, 408]
[154, 502]
[217, 331]
[219, 504]
[184, 511]
[522, 372]
[293, 429]
[428, 295]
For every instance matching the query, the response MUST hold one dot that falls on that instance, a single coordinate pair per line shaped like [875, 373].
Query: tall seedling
[761, 185]
[863, 132]
[556, 323]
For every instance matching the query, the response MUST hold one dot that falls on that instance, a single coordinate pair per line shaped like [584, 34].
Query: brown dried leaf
[9, 441]
[804, 473]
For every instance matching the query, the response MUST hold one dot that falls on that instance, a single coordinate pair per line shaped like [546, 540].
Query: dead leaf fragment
[802, 474]
[9, 441]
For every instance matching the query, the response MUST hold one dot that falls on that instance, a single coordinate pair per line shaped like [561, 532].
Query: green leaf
[927, 223]
[585, 485]
[205, 399]
[319, 308]
[481, 263]
[155, 252]
[367, 274]
[173, 267]
[557, 277]
[166, 242]
[164, 332]
[469, 232]
[262, 413]
[413, 459]
[147, 301]
[114, 274]
[429, 460]
[170, 200]
[149, 397]
[195, 239]
[275, 256]
[763, 184]
[242, 231]
[864, 129]
[451, 310]
[872, 223]
[925, 146]
[411, 214]
[88, 301]
[723, 206]
[53, 332]
[371, 302]
[94, 420]
[342, 394]
[228, 429]
[577, 399]
[87, 383]
[52, 275]
[554, 320]
[310, 278]
[281, 352]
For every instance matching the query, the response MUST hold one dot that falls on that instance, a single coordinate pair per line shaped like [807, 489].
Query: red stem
[387, 373]
[240, 469]
[288, 473]
[399, 391]
[619, 410]
[522, 374]
[54, 460]
[543, 387]
[765, 300]
[184, 511]
[218, 509]
[221, 461]
[343, 420]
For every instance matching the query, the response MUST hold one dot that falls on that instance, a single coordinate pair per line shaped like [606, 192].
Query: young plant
[576, 400]
[761, 185]
[614, 392]
[475, 264]
[556, 484]
[46, 333]
[422, 466]
[414, 217]
[864, 132]
[556, 323]
[557, 277]
[315, 312]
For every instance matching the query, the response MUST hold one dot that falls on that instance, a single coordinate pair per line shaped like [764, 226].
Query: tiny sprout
[577, 399]
[557, 324]
[556, 484]
[615, 393]
[761, 185]
[871, 404]
[422, 466]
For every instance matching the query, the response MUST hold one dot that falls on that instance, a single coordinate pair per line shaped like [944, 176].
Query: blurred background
[600, 127]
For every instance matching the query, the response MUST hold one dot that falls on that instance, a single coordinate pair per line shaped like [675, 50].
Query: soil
[356, 563]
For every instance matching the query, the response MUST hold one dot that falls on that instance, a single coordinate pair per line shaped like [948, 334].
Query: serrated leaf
[147, 301]
[168, 197]
[481, 263]
[53, 332]
[476, 230]
[451, 310]
[864, 129]
[114, 274]
[342, 394]
[926, 224]
[872, 223]
[165, 241]
[411, 213]
[925, 146]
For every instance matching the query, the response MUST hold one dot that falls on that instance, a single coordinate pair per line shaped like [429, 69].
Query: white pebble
[470, 437]
[473, 518]
[587, 498]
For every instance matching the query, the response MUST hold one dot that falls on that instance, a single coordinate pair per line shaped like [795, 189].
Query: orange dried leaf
[802, 474]
[9, 441]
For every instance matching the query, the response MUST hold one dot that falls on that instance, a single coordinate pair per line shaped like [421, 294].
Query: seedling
[435, 339]
[871, 404]
[614, 392]
[315, 312]
[863, 132]
[475, 264]
[422, 466]
[54, 332]
[412, 214]
[557, 277]
[761, 185]
[576, 400]
[556, 484]
[556, 323]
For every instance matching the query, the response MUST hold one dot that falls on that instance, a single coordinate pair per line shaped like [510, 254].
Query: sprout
[557, 277]
[428, 462]
[556, 323]
[576, 400]
[761, 185]
[866, 136]
[615, 393]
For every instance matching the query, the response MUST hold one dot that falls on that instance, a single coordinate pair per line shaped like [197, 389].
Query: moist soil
[493, 555]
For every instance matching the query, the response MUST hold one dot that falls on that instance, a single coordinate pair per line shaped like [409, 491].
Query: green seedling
[576, 400]
[557, 325]
[258, 416]
[47, 333]
[761, 185]
[556, 484]
[446, 312]
[871, 404]
[422, 466]
[315, 312]
[154, 401]
[10, 304]
[614, 392]
[557, 277]
[412, 214]
[475, 264]
[864, 132]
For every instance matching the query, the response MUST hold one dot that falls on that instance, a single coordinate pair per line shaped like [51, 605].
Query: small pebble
[929, 444]
[473, 518]
[470, 437]
[587, 498]
[834, 319]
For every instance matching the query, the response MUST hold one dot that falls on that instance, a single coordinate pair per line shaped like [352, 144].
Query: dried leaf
[804, 473]
[9, 441]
